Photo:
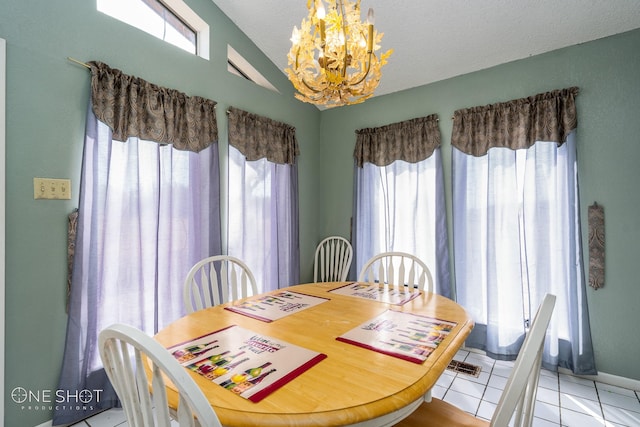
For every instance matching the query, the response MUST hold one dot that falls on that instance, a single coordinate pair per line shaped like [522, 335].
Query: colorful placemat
[403, 335]
[397, 295]
[268, 308]
[246, 363]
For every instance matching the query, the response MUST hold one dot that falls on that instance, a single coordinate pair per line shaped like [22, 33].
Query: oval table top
[353, 385]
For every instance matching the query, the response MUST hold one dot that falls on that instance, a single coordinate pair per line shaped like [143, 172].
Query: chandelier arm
[369, 52]
[366, 73]
[309, 87]
[345, 59]
[323, 37]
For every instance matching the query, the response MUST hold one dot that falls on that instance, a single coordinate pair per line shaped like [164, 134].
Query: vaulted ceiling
[435, 40]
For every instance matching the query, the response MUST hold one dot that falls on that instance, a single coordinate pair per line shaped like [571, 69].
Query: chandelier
[332, 60]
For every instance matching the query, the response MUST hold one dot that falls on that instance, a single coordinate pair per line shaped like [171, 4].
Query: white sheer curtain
[263, 199]
[399, 204]
[517, 237]
[147, 212]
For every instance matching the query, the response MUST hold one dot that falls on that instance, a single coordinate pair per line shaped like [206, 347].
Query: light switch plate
[52, 188]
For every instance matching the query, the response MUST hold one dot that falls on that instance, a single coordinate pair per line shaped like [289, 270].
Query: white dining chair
[397, 268]
[215, 280]
[332, 260]
[126, 352]
[516, 404]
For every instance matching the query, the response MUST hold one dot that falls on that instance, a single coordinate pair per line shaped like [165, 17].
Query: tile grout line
[559, 400]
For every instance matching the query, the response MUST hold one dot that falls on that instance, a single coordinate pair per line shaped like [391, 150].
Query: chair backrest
[216, 280]
[332, 260]
[519, 395]
[397, 268]
[126, 352]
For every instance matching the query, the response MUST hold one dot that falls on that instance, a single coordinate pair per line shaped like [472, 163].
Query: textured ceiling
[436, 40]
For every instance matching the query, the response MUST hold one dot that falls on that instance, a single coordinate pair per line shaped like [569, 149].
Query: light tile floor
[562, 400]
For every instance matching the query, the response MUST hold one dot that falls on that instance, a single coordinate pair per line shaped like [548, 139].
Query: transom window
[236, 64]
[169, 20]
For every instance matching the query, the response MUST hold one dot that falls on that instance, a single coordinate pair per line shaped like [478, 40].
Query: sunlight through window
[164, 20]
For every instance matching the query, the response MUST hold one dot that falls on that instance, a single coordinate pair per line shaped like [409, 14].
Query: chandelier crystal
[332, 60]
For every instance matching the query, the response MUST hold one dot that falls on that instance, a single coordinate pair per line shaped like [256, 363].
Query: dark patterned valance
[411, 140]
[133, 107]
[516, 124]
[259, 137]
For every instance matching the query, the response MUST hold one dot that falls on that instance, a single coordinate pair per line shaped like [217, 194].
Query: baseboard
[601, 377]
[46, 424]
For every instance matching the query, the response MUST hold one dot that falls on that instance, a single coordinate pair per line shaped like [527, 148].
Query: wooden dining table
[353, 385]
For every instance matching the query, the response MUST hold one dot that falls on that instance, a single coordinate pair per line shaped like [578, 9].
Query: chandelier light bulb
[295, 36]
[321, 11]
[371, 20]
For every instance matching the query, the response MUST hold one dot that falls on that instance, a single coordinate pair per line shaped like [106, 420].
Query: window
[169, 20]
[399, 196]
[239, 66]
[516, 226]
[399, 208]
[262, 220]
[148, 211]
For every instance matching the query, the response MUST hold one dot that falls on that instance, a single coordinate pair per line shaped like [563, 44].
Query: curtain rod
[84, 64]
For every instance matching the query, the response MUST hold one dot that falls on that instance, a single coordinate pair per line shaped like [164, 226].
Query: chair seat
[439, 413]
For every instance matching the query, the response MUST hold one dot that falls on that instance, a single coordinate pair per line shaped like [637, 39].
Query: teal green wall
[46, 103]
[607, 71]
